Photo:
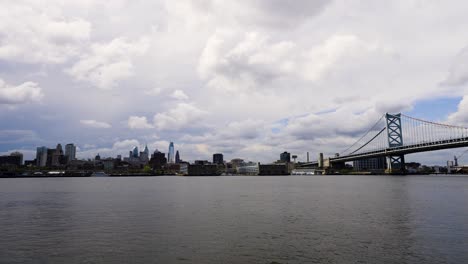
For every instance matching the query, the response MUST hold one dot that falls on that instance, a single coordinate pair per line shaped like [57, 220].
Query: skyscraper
[146, 151]
[41, 156]
[57, 156]
[144, 155]
[218, 158]
[177, 157]
[70, 152]
[170, 154]
[19, 155]
[135, 152]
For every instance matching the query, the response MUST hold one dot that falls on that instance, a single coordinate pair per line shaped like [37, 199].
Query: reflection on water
[311, 219]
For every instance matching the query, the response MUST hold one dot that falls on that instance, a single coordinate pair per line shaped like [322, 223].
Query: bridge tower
[395, 139]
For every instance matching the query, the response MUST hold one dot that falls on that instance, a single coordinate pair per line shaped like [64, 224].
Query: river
[235, 219]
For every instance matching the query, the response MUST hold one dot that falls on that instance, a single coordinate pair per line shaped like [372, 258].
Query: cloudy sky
[246, 78]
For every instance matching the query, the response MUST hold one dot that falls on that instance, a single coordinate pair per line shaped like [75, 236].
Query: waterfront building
[247, 168]
[372, 164]
[177, 157]
[218, 158]
[108, 164]
[285, 157]
[273, 169]
[202, 170]
[18, 154]
[70, 152]
[30, 163]
[14, 159]
[158, 159]
[170, 154]
[41, 156]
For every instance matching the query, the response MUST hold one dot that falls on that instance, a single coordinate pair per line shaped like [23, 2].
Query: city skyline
[255, 80]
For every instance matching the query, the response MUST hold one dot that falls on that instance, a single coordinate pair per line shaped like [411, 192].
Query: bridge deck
[402, 150]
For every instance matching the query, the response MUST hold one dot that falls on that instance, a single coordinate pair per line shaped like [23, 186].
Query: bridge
[395, 135]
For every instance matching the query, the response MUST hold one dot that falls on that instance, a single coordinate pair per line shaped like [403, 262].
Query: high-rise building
[19, 155]
[14, 159]
[144, 155]
[50, 155]
[41, 156]
[177, 157]
[57, 156]
[170, 154]
[218, 158]
[285, 157]
[158, 159]
[146, 150]
[135, 152]
[70, 152]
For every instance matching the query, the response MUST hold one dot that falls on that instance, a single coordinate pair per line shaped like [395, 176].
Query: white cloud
[108, 63]
[137, 122]
[256, 61]
[458, 73]
[181, 116]
[120, 147]
[461, 116]
[263, 76]
[32, 33]
[95, 124]
[251, 63]
[179, 95]
[24, 93]
[154, 91]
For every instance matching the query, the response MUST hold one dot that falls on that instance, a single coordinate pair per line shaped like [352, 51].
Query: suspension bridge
[395, 135]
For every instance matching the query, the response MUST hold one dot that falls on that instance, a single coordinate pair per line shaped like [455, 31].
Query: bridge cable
[380, 132]
[365, 134]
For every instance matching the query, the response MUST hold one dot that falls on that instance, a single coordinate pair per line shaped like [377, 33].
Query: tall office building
[177, 157]
[158, 159]
[170, 154]
[144, 155]
[146, 150]
[285, 157]
[218, 158]
[70, 152]
[41, 156]
[135, 152]
[57, 156]
[14, 159]
[19, 155]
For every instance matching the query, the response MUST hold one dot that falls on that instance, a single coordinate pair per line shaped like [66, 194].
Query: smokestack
[307, 156]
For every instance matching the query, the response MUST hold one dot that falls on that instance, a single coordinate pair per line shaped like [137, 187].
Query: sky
[247, 78]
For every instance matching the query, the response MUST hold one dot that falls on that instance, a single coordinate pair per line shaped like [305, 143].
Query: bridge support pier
[395, 164]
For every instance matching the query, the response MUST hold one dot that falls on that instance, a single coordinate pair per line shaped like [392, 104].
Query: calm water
[315, 219]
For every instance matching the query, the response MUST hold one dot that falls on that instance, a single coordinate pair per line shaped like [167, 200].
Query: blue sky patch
[435, 109]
